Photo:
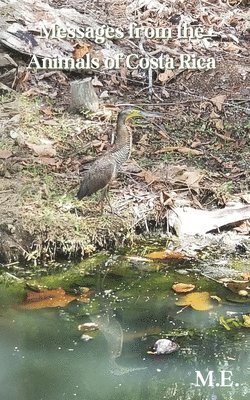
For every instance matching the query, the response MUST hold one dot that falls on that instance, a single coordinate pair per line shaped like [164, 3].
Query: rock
[165, 346]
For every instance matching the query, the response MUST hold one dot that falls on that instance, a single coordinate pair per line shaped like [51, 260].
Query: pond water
[44, 358]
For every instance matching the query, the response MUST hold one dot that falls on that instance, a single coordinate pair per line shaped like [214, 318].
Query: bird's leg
[104, 195]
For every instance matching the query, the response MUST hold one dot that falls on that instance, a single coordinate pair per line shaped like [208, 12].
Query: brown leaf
[232, 48]
[149, 177]
[4, 154]
[81, 50]
[182, 149]
[199, 301]
[243, 228]
[42, 150]
[114, 79]
[205, 19]
[225, 137]
[245, 276]
[190, 178]
[197, 143]
[183, 287]
[219, 124]
[167, 255]
[166, 76]
[53, 162]
[218, 101]
[216, 120]
[46, 298]
[237, 286]
[47, 111]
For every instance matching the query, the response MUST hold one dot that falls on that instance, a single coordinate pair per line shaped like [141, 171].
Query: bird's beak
[147, 114]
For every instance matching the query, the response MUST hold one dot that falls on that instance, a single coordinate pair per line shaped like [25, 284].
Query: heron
[104, 169]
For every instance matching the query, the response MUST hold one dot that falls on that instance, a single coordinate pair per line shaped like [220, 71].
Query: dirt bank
[198, 153]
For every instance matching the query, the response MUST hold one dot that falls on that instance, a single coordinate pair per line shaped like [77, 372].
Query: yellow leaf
[199, 301]
[246, 319]
[167, 255]
[183, 287]
[46, 298]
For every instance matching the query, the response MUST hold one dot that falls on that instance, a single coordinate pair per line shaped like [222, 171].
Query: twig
[182, 309]
[4, 200]
[212, 279]
[150, 73]
[8, 275]
[10, 264]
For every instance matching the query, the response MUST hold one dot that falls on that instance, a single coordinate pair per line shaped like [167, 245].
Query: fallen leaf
[184, 150]
[46, 298]
[205, 19]
[42, 150]
[199, 301]
[219, 124]
[165, 93]
[47, 111]
[237, 286]
[167, 255]
[218, 101]
[48, 161]
[246, 198]
[183, 287]
[96, 82]
[4, 154]
[246, 319]
[81, 50]
[166, 76]
[197, 143]
[245, 276]
[232, 48]
[243, 293]
[190, 178]
[224, 137]
[114, 79]
[243, 228]
[149, 177]
[22, 77]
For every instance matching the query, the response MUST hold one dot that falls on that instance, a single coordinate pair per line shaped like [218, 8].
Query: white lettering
[199, 378]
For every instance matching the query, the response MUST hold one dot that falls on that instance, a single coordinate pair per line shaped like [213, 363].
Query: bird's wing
[97, 177]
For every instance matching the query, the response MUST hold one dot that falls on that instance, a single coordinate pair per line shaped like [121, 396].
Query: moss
[11, 294]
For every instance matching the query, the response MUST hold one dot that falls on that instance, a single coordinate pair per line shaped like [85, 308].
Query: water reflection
[44, 358]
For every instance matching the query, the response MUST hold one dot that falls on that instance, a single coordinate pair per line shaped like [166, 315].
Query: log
[190, 221]
[83, 95]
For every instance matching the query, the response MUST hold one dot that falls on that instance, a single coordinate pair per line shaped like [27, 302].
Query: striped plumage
[103, 170]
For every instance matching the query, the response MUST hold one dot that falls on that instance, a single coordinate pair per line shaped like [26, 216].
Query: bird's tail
[83, 191]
